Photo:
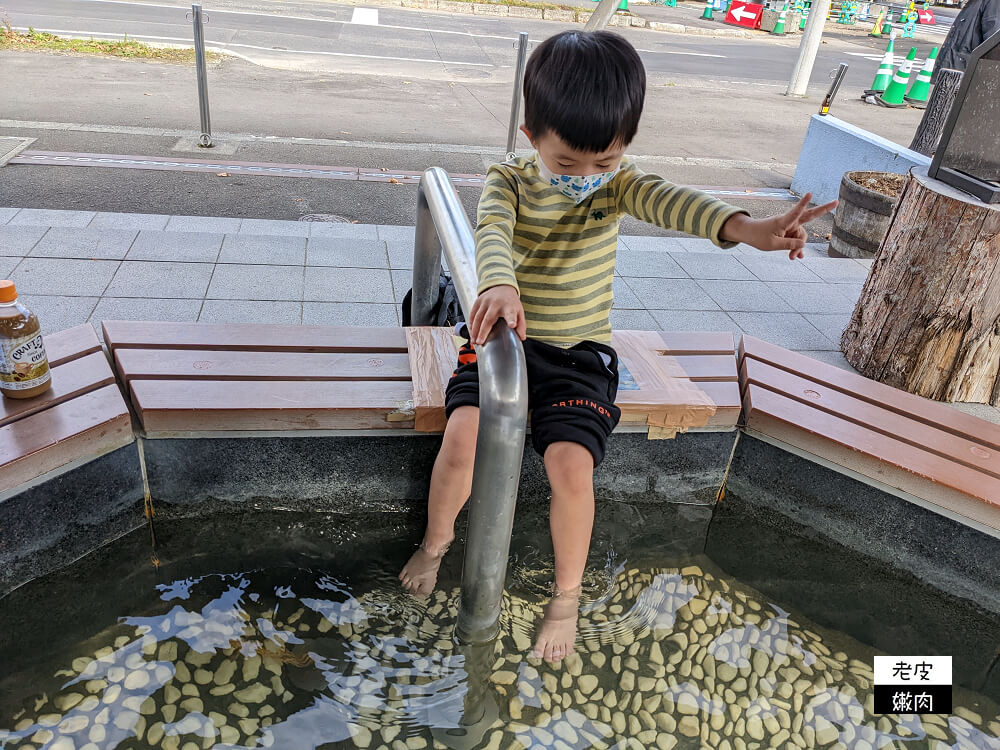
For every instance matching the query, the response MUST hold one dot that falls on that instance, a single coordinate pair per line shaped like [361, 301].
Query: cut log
[928, 319]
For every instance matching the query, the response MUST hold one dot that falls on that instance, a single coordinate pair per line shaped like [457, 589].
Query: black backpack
[447, 310]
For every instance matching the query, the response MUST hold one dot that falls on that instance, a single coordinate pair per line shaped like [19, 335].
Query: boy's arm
[495, 231]
[652, 199]
[499, 295]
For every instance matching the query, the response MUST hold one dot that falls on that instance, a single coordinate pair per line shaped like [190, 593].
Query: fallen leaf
[828, 236]
[222, 174]
[393, 181]
[345, 132]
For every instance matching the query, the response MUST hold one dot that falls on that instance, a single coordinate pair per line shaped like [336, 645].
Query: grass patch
[33, 41]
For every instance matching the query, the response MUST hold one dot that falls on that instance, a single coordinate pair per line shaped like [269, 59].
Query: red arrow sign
[745, 14]
[926, 17]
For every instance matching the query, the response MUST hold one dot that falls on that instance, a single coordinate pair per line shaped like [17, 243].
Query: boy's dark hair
[587, 87]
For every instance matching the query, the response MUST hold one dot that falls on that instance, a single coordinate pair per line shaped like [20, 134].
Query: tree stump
[928, 320]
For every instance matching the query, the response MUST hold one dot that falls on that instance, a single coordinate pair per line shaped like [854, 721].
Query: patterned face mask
[572, 186]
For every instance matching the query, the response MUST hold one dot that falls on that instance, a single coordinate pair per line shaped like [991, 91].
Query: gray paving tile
[256, 282]
[652, 264]
[137, 222]
[51, 218]
[836, 269]
[671, 294]
[57, 313]
[350, 314]
[73, 242]
[348, 231]
[275, 228]
[816, 250]
[694, 320]
[243, 311]
[397, 233]
[831, 357]
[7, 265]
[16, 240]
[211, 224]
[346, 253]
[161, 280]
[138, 308]
[273, 250]
[58, 276]
[713, 266]
[789, 330]
[325, 284]
[831, 326]
[402, 280]
[190, 247]
[776, 267]
[746, 296]
[851, 291]
[866, 263]
[701, 245]
[6, 214]
[625, 298]
[812, 297]
[642, 244]
[633, 320]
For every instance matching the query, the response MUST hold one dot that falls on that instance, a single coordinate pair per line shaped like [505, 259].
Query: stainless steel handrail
[503, 404]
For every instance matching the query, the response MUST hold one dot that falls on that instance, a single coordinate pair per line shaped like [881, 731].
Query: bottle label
[23, 363]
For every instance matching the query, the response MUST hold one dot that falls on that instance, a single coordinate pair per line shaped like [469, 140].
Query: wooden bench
[901, 442]
[189, 378]
[81, 417]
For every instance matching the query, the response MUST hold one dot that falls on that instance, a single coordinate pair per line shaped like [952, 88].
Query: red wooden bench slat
[203, 364]
[932, 413]
[120, 334]
[73, 343]
[785, 419]
[698, 342]
[871, 416]
[707, 367]
[204, 405]
[69, 380]
[84, 427]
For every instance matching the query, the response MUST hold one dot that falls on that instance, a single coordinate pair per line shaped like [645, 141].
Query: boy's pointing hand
[784, 232]
[496, 302]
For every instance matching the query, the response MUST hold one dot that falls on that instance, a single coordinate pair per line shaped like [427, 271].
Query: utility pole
[599, 18]
[808, 48]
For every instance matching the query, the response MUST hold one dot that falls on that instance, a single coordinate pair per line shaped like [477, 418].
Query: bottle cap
[8, 293]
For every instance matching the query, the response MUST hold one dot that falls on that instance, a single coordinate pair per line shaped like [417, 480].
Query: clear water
[301, 651]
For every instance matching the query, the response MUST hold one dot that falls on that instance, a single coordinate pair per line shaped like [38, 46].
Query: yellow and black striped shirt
[560, 256]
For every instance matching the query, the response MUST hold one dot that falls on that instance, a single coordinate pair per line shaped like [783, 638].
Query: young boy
[545, 253]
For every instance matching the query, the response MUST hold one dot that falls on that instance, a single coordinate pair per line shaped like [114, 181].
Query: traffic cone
[921, 89]
[893, 96]
[805, 17]
[779, 27]
[877, 28]
[707, 13]
[884, 75]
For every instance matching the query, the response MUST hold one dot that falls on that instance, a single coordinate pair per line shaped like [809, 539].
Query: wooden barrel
[863, 216]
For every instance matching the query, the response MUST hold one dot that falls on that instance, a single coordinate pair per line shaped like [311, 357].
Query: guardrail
[503, 404]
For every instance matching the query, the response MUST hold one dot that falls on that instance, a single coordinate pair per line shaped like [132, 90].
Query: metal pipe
[838, 78]
[205, 139]
[515, 104]
[503, 404]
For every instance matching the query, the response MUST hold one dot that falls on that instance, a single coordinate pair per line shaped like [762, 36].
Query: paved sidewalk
[71, 267]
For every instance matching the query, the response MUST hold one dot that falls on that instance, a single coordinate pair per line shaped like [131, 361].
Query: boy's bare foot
[557, 633]
[420, 574]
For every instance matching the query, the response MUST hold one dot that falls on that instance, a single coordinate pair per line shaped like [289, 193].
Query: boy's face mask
[576, 187]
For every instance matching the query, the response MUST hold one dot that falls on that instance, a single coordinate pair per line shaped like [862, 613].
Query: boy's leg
[570, 468]
[451, 484]
[573, 393]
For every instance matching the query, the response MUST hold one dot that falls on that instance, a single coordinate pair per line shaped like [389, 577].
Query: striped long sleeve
[560, 255]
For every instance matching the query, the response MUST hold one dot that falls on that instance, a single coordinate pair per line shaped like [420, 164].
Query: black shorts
[571, 392]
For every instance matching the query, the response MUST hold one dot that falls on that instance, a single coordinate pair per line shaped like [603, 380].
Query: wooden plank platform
[82, 416]
[197, 378]
[919, 447]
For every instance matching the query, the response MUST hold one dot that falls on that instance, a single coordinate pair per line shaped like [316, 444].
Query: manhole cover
[329, 218]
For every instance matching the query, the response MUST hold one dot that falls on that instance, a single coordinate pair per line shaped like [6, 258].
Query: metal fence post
[515, 103]
[205, 139]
